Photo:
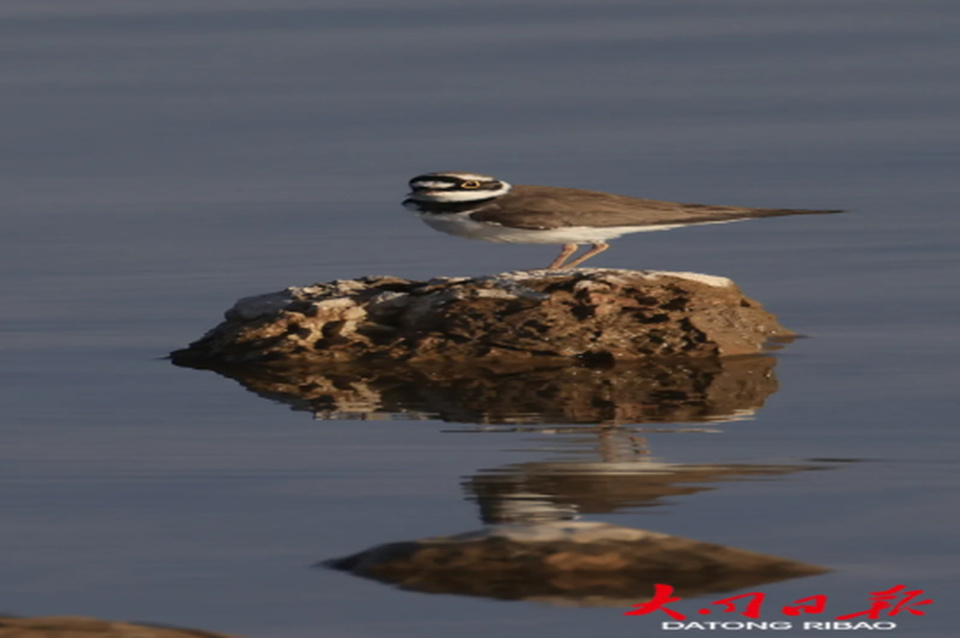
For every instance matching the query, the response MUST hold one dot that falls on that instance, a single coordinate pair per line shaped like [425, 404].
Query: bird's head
[455, 187]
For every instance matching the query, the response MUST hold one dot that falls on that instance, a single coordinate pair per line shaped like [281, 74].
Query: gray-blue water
[162, 159]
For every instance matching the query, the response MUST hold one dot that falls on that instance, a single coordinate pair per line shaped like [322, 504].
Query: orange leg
[568, 249]
[598, 247]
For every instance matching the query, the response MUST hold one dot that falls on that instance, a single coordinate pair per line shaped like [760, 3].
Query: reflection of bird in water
[618, 449]
[624, 477]
[620, 444]
[483, 207]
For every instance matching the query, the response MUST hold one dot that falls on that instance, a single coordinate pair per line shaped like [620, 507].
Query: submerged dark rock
[579, 563]
[586, 314]
[84, 627]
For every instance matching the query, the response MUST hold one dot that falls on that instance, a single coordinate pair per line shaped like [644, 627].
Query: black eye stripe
[453, 181]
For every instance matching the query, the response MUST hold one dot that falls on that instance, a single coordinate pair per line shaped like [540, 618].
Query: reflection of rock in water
[651, 391]
[537, 492]
[81, 627]
[568, 563]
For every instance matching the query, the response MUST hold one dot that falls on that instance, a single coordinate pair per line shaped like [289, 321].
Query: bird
[482, 207]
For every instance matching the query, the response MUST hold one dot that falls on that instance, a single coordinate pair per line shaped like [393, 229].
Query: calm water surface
[161, 159]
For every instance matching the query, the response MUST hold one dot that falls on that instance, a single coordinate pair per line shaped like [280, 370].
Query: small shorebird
[483, 207]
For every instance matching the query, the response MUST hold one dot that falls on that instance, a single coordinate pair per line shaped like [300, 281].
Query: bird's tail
[777, 212]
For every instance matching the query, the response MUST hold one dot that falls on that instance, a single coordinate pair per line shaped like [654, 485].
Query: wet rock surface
[588, 314]
[83, 627]
[568, 563]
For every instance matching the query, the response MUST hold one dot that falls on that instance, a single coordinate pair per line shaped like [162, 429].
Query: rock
[591, 564]
[593, 314]
[83, 627]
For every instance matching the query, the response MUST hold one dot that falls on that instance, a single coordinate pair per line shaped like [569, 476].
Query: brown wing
[546, 207]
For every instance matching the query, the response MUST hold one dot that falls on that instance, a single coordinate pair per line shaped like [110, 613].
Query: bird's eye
[470, 183]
